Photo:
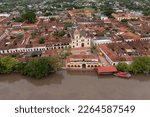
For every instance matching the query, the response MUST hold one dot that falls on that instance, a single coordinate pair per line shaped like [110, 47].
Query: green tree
[141, 65]
[39, 68]
[52, 19]
[124, 67]
[33, 35]
[107, 10]
[146, 12]
[7, 64]
[59, 33]
[42, 41]
[67, 25]
[19, 19]
[29, 16]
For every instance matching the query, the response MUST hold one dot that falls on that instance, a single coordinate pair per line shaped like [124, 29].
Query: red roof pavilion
[107, 69]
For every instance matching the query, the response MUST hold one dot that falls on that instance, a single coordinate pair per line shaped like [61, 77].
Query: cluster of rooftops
[118, 40]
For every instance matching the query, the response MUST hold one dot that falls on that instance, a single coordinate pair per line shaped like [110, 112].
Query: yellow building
[82, 61]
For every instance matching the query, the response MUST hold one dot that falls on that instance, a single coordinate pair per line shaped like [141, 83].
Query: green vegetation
[124, 67]
[42, 41]
[107, 9]
[124, 21]
[12, 37]
[146, 12]
[19, 19]
[19, 36]
[13, 55]
[65, 53]
[37, 68]
[141, 65]
[67, 25]
[33, 35]
[52, 19]
[7, 65]
[136, 5]
[29, 16]
[93, 48]
[59, 33]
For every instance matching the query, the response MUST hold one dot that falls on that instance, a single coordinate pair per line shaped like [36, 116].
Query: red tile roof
[81, 56]
[108, 69]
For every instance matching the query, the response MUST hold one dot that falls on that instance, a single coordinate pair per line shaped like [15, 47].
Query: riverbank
[74, 85]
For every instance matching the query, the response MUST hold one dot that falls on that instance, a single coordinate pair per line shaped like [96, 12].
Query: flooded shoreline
[74, 85]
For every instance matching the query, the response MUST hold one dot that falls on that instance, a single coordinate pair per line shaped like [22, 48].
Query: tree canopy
[67, 25]
[107, 9]
[42, 41]
[140, 65]
[123, 67]
[29, 16]
[39, 68]
[7, 64]
[59, 33]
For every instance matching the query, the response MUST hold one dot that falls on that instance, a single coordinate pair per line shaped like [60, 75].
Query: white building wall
[79, 42]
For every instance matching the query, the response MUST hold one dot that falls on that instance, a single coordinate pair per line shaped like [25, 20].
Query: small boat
[123, 74]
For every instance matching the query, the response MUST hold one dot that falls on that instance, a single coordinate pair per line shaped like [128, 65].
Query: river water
[74, 85]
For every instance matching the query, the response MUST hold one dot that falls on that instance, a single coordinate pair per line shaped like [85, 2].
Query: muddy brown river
[74, 85]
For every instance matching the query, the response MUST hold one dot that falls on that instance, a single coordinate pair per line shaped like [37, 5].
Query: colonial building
[82, 61]
[124, 52]
[124, 16]
[101, 40]
[79, 38]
